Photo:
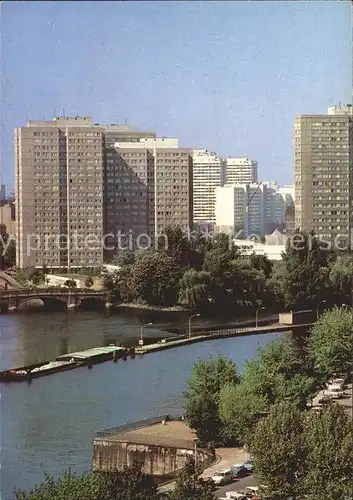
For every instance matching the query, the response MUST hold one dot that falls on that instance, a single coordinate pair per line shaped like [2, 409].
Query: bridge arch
[3, 306]
[91, 302]
[47, 302]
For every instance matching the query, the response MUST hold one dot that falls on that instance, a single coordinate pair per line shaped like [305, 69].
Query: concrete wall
[296, 318]
[159, 461]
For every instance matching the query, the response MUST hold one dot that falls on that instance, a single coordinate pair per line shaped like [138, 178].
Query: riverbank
[48, 427]
[146, 307]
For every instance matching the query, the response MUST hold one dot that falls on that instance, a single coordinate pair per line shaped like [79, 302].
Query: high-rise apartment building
[149, 187]
[241, 171]
[2, 192]
[7, 219]
[59, 192]
[324, 174]
[62, 190]
[208, 173]
[240, 208]
[276, 202]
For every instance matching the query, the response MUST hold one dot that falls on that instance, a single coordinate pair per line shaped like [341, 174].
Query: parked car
[239, 470]
[234, 495]
[249, 466]
[223, 476]
[325, 399]
[335, 392]
[339, 381]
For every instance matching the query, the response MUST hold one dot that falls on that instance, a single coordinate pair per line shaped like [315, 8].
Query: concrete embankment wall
[162, 462]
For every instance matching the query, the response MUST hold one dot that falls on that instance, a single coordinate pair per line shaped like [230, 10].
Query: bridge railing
[50, 291]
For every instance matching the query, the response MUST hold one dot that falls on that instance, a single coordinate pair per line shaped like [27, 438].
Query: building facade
[59, 192]
[241, 171]
[240, 209]
[208, 173]
[149, 187]
[276, 203]
[324, 174]
[8, 219]
[64, 190]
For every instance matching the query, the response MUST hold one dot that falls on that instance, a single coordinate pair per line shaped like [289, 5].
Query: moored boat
[37, 370]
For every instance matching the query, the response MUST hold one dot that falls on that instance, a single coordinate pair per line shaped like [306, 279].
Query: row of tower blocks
[84, 190]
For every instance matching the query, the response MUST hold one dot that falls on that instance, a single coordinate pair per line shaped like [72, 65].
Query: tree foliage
[331, 340]
[71, 283]
[154, 279]
[202, 396]
[329, 466]
[7, 249]
[279, 452]
[304, 455]
[301, 279]
[129, 484]
[341, 278]
[239, 410]
[194, 288]
[279, 373]
[189, 487]
[210, 271]
[89, 282]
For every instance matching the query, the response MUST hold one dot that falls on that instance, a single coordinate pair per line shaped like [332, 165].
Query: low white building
[111, 269]
[272, 252]
[60, 280]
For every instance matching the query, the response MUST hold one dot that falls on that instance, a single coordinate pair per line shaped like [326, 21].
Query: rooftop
[174, 432]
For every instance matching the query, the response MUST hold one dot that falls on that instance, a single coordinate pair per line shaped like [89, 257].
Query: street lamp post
[195, 458]
[142, 330]
[193, 316]
[318, 308]
[257, 316]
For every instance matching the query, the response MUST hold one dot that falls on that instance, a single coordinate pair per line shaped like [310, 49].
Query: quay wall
[160, 461]
[162, 444]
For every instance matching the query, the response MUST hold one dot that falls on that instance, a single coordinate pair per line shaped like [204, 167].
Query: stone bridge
[70, 298]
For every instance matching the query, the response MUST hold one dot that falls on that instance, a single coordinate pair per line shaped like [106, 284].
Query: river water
[48, 426]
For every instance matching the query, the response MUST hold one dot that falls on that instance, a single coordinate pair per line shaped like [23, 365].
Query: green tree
[279, 373]
[194, 288]
[202, 396]
[239, 411]
[278, 448]
[177, 245]
[261, 263]
[7, 249]
[155, 279]
[341, 278]
[330, 454]
[87, 486]
[301, 279]
[129, 484]
[71, 284]
[124, 258]
[187, 487]
[330, 342]
[89, 282]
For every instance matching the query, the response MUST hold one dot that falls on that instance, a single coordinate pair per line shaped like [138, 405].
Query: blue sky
[226, 76]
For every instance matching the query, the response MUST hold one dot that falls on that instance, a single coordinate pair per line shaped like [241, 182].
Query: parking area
[345, 400]
[227, 457]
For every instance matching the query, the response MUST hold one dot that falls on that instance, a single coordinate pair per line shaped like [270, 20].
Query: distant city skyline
[227, 77]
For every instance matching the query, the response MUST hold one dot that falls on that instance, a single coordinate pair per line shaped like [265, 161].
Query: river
[48, 426]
